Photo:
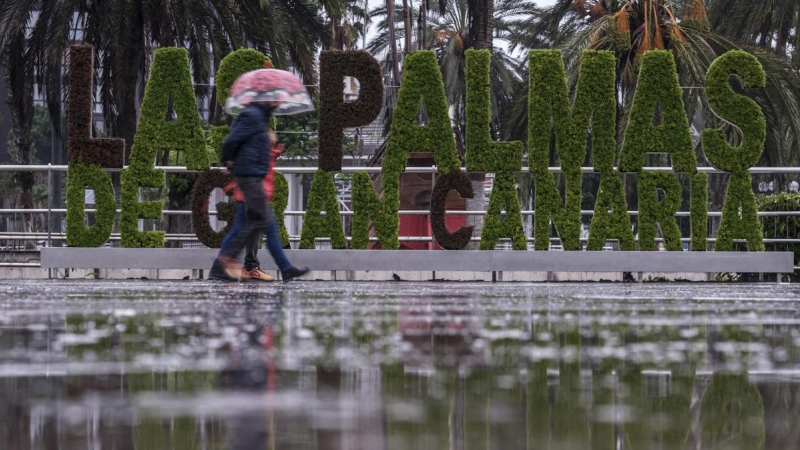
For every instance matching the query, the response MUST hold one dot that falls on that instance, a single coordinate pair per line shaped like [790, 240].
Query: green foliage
[459, 182]
[80, 104]
[280, 200]
[549, 110]
[79, 176]
[322, 195]
[368, 205]
[484, 155]
[132, 179]
[334, 114]
[737, 109]
[699, 212]
[422, 79]
[611, 219]
[233, 65]
[732, 414]
[739, 216]
[658, 91]
[201, 192]
[776, 227]
[503, 197]
[651, 210]
[218, 135]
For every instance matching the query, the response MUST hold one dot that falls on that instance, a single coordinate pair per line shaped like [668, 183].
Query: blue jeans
[258, 219]
[251, 249]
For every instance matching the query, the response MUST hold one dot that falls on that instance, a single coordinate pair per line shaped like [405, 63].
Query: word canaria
[657, 124]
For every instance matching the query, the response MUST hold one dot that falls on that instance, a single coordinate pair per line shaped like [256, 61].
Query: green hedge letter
[484, 155]
[322, 195]
[549, 110]
[658, 86]
[652, 211]
[744, 113]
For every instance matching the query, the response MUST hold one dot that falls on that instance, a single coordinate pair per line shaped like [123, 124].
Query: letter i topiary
[322, 195]
[663, 212]
[658, 85]
[503, 197]
[78, 234]
[549, 111]
[699, 212]
[744, 113]
[611, 219]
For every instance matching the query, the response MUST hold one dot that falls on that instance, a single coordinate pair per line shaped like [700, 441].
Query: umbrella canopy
[269, 85]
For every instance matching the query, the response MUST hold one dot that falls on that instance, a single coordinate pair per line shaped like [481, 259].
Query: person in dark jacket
[247, 151]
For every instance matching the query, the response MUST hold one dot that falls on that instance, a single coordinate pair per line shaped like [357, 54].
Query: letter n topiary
[368, 205]
[658, 86]
[322, 195]
[744, 113]
[549, 111]
[663, 212]
[170, 80]
[334, 114]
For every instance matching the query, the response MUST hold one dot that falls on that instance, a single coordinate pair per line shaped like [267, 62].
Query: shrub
[662, 212]
[658, 86]
[322, 195]
[205, 184]
[334, 114]
[503, 197]
[611, 219]
[460, 182]
[383, 213]
[78, 234]
[549, 103]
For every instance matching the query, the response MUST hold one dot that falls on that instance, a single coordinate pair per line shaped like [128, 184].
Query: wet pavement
[151, 365]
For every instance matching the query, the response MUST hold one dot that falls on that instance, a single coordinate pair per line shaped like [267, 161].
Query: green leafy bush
[699, 212]
[777, 227]
[234, 64]
[459, 182]
[658, 87]
[744, 113]
[78, 177]
[611, 219]
[503, 197]
[422, 79]
[663, 212]
[322, 195]
[549, 111]
[334, 113]
[280, 200]
[106, 153]
[483, 154]
[383, 213]
[170, 82]
[205, 184]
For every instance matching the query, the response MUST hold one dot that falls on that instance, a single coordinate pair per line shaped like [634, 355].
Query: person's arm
[243, 128]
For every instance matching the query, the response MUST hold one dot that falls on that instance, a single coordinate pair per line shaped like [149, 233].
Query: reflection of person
[247, 150]
[252, 268]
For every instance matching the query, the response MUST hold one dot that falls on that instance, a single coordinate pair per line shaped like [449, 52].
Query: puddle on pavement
[193, 365]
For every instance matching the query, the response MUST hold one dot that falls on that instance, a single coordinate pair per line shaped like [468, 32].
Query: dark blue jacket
[247, 144]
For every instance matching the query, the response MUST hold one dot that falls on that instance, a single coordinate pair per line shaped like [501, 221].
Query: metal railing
[50, 236]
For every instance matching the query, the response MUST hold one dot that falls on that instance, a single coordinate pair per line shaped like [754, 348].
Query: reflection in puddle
[124, 365]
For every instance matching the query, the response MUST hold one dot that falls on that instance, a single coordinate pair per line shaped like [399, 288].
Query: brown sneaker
[256, 275]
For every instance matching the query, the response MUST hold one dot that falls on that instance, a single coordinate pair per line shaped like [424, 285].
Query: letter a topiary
[322, 195]
[169, 80]
[745, 114]
[503, 197]
[658, 86]
[549, 110]
[663, 212]
[78, 177]
[611, 219]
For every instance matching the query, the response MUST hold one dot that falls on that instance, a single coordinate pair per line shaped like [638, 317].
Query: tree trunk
[406, 28]
[393, 46]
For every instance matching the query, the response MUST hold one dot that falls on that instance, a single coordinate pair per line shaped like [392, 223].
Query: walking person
[252, 268]
[248, 151]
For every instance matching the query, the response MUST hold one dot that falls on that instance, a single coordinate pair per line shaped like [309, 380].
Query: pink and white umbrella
[269, 85]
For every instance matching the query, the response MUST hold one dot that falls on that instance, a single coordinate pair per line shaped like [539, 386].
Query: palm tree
[629, 28]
